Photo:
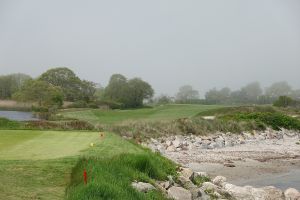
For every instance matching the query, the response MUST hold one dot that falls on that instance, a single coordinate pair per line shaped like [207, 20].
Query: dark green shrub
[78, 104]
[284, 101]
[199, 180]
[275, 120]
[59, 125]
[8, 124]
[92, 105]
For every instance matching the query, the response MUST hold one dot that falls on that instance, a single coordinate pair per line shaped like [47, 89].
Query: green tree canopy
[186, 93]
[284, 101]
[251, 92]
[129, 93]
[217, 96]
[279, 89]
[10, 84]
[138, 90]
[43, 93]
[73, 88]
[116, 89]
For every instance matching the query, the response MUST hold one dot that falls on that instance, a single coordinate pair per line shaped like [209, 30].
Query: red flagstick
[85, 176]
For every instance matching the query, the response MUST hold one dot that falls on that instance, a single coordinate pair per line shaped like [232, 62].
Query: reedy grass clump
[237, 109]
[275, 120]
[199, 180]
[141, 130]
[228, 119]
[111, 178]
[6, 124]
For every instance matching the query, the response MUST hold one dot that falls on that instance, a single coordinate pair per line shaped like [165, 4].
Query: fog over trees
[61, 84]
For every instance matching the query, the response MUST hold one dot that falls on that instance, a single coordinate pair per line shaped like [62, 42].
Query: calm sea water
[17, 115]
[282, 181]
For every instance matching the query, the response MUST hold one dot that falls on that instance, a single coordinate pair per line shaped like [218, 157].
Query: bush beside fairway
[159, 113]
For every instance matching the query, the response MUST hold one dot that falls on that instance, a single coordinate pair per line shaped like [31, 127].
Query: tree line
[59, 85]
[252, 93]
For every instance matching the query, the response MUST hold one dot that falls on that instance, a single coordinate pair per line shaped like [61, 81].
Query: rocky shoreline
[184, 188]
[234, 155]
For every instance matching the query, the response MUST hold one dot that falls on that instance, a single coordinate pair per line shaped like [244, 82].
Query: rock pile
[215, 141]
[185, 189]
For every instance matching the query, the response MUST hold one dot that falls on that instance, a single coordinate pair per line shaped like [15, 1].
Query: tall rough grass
[187, 126]
[274, 120]
[46, 125]
[229, 119]
[112, 178]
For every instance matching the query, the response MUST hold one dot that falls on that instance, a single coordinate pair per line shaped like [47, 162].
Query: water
[17, 115]
[282, 181]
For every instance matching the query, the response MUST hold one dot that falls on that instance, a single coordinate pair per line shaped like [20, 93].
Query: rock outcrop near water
[217, 140]
[185, 189]
[226, 149]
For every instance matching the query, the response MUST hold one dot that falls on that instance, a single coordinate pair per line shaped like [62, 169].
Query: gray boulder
[220, 142]
[171, 148]
[179, 193]
[196, 174]
[273, 193]
[238, 192]
[143, 187]
[209, 186]
[250, 193]
[228, 143]
[186, 172]
[219, 180]
[186, 183]
[292, 194]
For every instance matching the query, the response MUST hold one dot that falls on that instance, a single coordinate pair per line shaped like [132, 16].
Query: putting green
[34, 145]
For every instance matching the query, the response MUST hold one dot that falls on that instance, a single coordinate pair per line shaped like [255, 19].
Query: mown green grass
[37, 164]
[42, 164]
[159, 113]
[35, 179]
[29, 144]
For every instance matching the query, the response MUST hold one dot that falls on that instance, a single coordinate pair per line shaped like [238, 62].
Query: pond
[17, 115]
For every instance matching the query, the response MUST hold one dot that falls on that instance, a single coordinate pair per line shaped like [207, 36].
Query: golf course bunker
[35, 145]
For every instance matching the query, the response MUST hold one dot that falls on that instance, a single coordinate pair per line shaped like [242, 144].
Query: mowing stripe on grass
[25, 144]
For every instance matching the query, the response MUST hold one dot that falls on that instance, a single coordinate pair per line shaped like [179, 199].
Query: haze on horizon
[168, 43]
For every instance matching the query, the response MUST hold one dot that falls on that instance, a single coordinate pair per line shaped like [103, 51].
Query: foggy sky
[168, 43]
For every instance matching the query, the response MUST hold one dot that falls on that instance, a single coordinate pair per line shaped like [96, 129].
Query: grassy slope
[166, 112]
[33, 164]
[114, 163]
[37, 164]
